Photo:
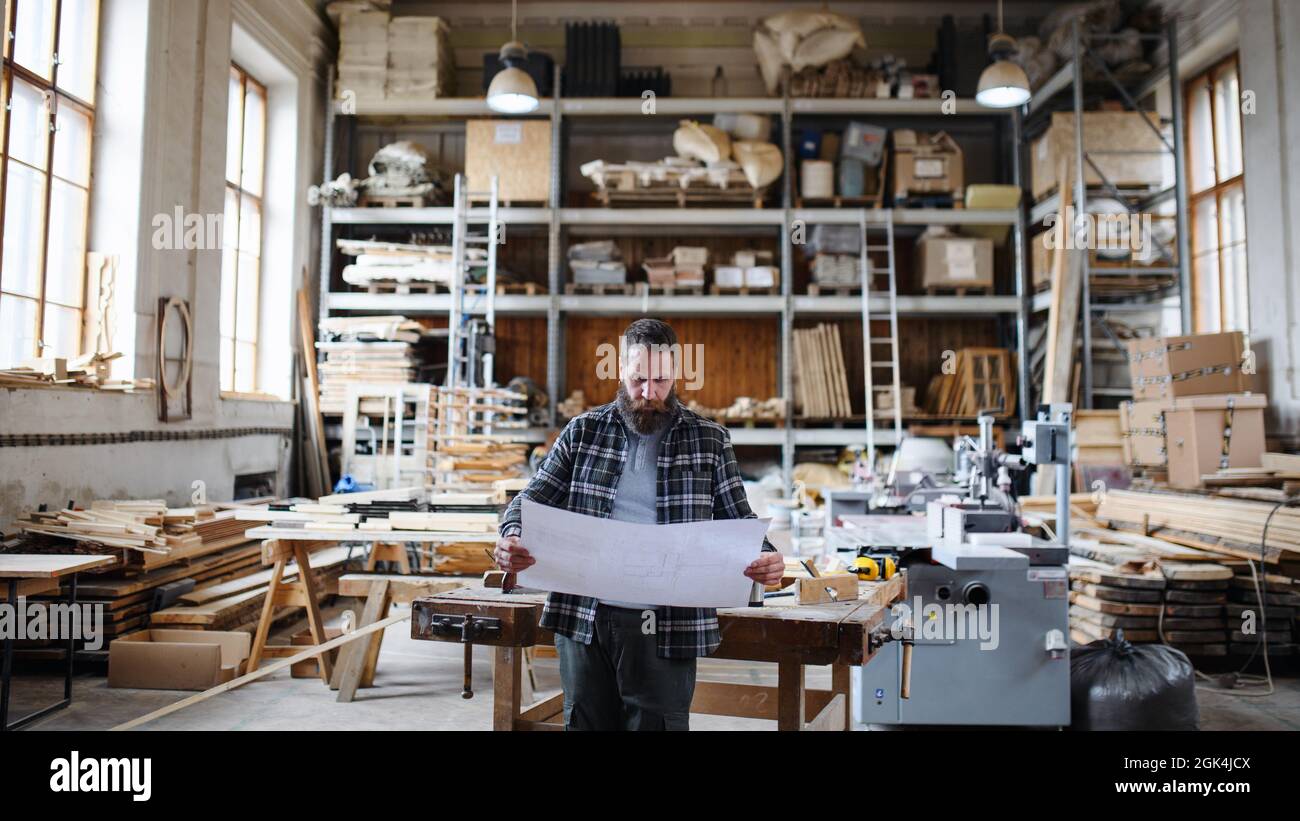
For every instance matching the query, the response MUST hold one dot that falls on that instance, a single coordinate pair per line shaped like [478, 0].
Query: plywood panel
[740, 356]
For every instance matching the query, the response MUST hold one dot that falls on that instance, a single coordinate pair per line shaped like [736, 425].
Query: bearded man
[641, 458]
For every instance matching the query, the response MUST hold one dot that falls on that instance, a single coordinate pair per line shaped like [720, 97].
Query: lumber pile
[1176, 603]
[86, 371]
[1224, 525]
[983, 380]
[821, 382]
[465, 453]
[360, 350]
[145, 534]
[237, 603]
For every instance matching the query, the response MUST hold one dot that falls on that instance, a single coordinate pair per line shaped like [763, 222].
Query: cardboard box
[1103, 131]
[176, 659]
[1196, 365]
[955, 262]
[1197, 429]
[1142, 431]
[517, 152]
[926, 164]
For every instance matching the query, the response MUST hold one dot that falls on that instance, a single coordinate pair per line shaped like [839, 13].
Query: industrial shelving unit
[1069, 78]
[786, 305]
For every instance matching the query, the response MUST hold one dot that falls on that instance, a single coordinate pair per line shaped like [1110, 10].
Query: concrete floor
[418, 686]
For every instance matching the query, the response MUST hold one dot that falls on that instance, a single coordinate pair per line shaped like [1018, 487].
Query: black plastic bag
[1115, 685]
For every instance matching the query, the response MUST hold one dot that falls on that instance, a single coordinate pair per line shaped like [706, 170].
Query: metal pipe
[1066, 418]
[1180, 184]
[1081, 213]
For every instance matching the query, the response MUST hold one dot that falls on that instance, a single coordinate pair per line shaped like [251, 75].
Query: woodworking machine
[986, 613]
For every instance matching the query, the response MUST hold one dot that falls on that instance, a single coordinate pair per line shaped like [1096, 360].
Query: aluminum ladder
[876, 235]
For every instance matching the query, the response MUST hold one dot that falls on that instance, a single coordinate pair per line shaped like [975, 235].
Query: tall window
[47, 97]
[1217, 198]
[241, 251]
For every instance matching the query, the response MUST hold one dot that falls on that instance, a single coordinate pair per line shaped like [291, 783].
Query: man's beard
[646, 416]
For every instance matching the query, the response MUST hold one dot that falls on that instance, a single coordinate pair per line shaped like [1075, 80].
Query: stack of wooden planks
[1177, 603]
[145, 534]
[821, 381]
[1248, 622]
[1218, 524]
[236, 603]
[360, 350]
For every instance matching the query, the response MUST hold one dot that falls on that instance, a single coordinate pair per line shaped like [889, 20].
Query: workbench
[787, 634]
[31, 574]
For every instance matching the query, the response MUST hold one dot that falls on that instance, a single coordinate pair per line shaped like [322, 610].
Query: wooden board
[47, 565]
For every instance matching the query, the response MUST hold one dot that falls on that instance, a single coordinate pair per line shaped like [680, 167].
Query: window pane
[4, 95]
[254, 139]
[62, 334]
[1236, 289]
[78, 27]
[1200, 138]
[230, 221]
[66, 259]
[234, 128]
[1205, 234]
[227, 364]
[1232, 217]
[29, 124]
[250, 226]
[72, 145]
[24, 210]
[1205, 284]
[245, 367]
[246, 292]
[18, 341]
[1227, 124]
[34, 36]
[227, 317]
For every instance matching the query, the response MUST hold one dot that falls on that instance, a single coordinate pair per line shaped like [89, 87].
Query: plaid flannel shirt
[697, 481]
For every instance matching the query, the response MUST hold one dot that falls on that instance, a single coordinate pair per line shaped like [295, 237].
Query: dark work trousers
[618, 682]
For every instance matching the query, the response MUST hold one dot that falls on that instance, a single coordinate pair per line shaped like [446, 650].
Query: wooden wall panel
[740, 356]
[521, 349]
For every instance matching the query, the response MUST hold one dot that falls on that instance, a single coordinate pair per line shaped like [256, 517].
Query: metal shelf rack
[787, 305]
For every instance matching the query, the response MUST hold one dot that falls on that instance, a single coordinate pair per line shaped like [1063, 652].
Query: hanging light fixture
[512, 90]
[1003, 84]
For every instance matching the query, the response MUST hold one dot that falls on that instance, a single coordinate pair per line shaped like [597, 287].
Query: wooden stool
[357, 660]
[388, 552]
[301, 592]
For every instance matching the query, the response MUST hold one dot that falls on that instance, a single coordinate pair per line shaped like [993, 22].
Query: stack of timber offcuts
[364, 350]
[1249, 624]
[1177, 603]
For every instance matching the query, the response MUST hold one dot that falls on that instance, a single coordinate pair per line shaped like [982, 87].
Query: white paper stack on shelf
[363, 55]
[420, 60]
[597, 263]
[365, 349]
[401, 263]
[749, 268]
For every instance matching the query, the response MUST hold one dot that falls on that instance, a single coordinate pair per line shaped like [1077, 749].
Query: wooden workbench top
[781, 629]
[47, 565]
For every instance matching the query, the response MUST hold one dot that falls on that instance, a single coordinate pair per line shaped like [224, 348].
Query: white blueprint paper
[699, 564]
